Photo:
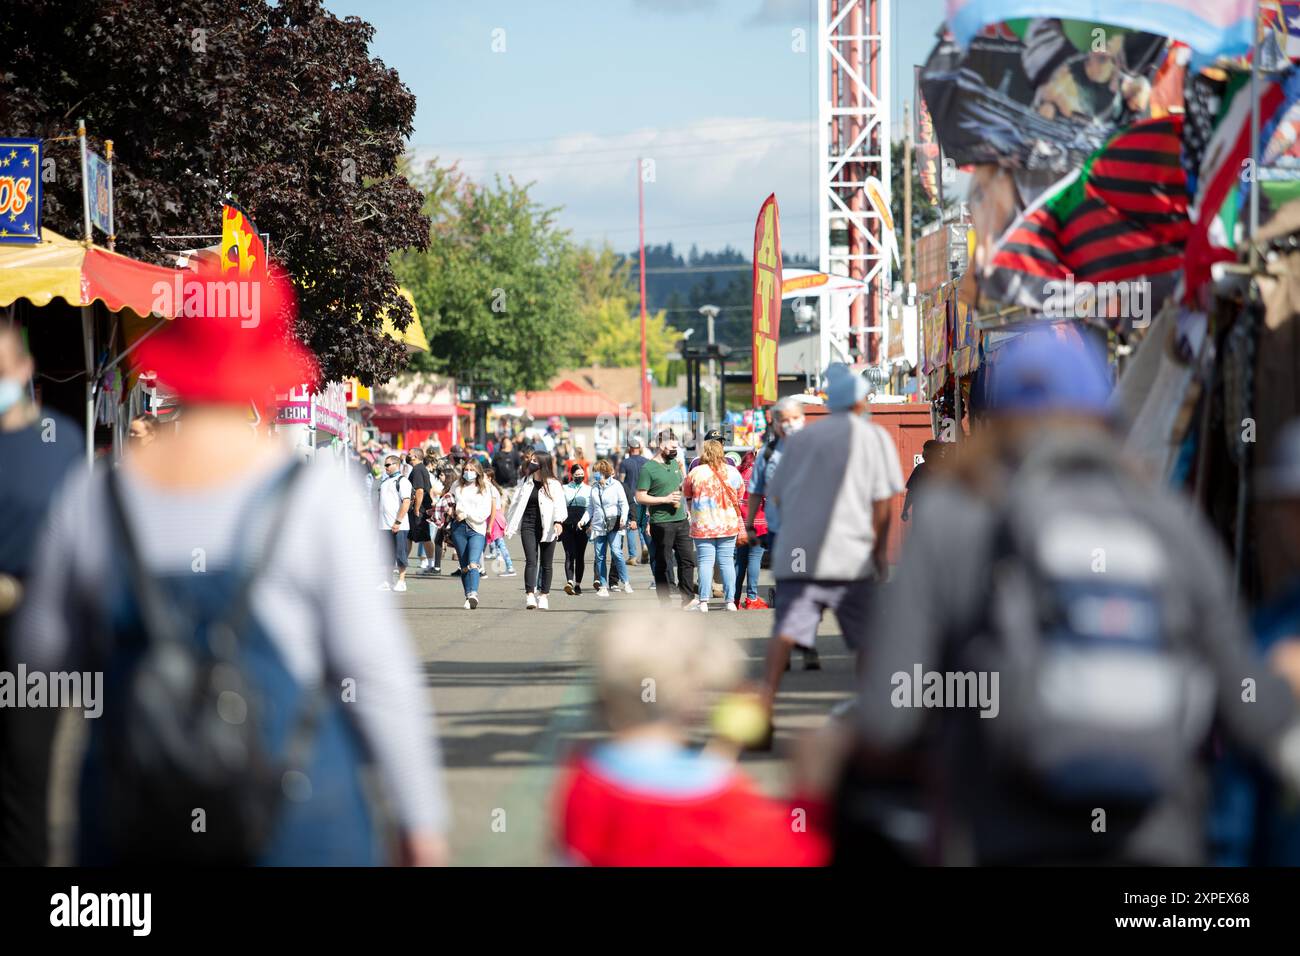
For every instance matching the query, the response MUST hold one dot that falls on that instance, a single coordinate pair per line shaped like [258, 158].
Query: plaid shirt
[444, 510]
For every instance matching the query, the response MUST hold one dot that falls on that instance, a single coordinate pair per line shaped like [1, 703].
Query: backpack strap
[241, 605]
[158, 614]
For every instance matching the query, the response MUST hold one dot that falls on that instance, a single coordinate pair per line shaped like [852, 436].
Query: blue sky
[567, 93]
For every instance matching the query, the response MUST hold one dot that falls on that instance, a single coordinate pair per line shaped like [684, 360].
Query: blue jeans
[469, 549]
[602, 545]
[749, 561]
[724, 551]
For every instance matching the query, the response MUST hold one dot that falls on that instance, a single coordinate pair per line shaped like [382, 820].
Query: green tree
[609, 318]
[497, 288]
[279, 105]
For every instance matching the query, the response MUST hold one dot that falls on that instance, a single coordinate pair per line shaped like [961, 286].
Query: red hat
[231, 340]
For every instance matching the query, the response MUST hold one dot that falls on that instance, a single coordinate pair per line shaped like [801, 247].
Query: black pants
[575, 553]
[439, 540]
[673, 538]
[26, 745]
[538, 555]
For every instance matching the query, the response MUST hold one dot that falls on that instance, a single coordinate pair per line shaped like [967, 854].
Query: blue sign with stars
[20, 190]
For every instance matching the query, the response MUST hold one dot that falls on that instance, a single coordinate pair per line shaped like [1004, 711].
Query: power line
[551, 139]
[633, 151]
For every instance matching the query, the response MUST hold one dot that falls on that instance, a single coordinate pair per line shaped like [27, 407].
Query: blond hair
[647, 674]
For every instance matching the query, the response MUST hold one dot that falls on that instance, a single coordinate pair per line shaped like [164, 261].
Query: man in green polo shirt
[659, 488]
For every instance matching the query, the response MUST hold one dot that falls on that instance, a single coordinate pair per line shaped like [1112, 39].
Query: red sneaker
[757, 604]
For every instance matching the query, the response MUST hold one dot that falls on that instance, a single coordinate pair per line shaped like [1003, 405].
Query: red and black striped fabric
[1122, 216]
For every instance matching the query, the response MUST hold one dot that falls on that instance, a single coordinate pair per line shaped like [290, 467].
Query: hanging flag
[1122, 218]
[1211, 238]
[929, 162]
[99, 186]
[1039, 95]
[766, 301]
[878, 198]
[20, 190]
[241, 246]
[1210, 27]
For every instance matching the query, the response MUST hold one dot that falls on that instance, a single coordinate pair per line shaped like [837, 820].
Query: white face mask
[793, 425]
[471, 476]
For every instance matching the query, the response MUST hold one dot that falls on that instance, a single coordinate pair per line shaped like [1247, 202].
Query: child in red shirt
[645, 798]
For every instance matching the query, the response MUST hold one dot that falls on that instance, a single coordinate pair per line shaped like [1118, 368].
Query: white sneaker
[530, 601]
[693, 606]
[542, 603]
[731, 606]
[652, 585]
[386, 586]
[703, 608]
[467, 607]
[424, 563]
[568, 587]
[627, 587]
[471, 601]
[603, 592]
[399, 586]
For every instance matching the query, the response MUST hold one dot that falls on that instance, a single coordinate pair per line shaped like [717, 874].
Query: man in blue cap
[833, 489]
[1059, 638]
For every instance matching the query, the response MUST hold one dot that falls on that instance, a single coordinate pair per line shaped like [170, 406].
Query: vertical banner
[767, 301]
[20, 190]
[929, 163]
[99, 187]
[241, 247]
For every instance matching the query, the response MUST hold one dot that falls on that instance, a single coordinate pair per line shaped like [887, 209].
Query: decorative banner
[294, 406]
[1038, 94]
[20, 190]
[767, 300]
[330, 409]
[808, 283]
[99, 185]
[1211, 27]
[929, 161]
[877, 196]
[241, 246]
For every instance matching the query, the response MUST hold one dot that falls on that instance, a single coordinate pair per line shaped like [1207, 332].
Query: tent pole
[1254, 144]
[88, 342]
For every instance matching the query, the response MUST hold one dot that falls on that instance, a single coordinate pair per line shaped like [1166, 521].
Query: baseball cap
[1044, 371]
[713, 434]
[844, 389]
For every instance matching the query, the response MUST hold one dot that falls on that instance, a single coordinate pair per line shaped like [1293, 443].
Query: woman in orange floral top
[713, 492]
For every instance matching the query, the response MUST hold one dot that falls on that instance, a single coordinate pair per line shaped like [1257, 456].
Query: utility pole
[645, 374]
[907, 197]
[710, 312]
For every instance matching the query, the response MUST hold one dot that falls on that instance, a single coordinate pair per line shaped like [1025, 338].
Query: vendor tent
[82, 274]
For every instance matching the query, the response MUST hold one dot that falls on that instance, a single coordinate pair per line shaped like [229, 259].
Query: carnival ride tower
[853, 71]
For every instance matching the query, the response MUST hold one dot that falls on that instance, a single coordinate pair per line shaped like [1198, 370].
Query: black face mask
[670, 455]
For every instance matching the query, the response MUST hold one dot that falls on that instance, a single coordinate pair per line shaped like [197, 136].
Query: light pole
[710, 312]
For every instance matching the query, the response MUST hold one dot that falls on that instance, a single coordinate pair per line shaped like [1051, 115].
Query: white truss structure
[844, 66]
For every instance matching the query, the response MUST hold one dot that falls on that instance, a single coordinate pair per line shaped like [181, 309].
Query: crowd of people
[1057, 670]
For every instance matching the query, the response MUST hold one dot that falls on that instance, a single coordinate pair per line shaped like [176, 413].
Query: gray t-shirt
[830, 474]
[321, 610]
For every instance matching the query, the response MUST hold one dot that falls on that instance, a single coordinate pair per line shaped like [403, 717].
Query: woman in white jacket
[538, 514]
[474, 507]
[607, 513]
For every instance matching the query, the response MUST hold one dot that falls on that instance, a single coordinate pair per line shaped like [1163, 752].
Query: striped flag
[1121, 217]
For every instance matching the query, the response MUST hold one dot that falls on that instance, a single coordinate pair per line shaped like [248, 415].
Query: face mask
[578, 476]
[11, 393]
[794, 425]
[471, 476]
[670, 455]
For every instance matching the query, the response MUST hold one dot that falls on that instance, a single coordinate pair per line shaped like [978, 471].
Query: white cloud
[710, 177]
